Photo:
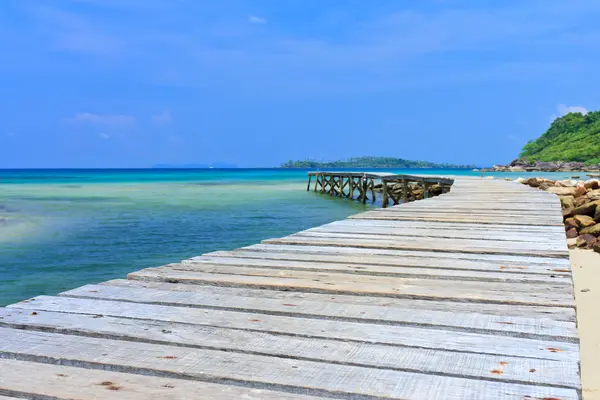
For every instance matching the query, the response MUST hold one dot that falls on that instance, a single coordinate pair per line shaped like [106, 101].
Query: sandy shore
[586, 275]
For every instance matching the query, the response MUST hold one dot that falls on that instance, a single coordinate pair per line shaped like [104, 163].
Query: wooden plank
[398, 233]
[396, 335]
[387, 255]
[527, 247]
[391, 271]
[454, 218]
[274, 372]
[557, 313]
[468, 365]
[506, 287]
[454, 226]
[500, 324]
[62, 382]
[445, 245]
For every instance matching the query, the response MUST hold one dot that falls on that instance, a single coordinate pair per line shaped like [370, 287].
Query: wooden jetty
[350, 184]
[467, 295]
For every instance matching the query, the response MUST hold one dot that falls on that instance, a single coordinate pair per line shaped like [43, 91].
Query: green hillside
[573, 137]
[369, 162]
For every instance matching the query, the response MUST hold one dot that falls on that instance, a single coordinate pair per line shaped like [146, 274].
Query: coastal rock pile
[519, 165]
[581, 208]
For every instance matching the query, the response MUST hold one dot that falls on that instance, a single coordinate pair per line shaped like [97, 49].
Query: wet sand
[586, 275]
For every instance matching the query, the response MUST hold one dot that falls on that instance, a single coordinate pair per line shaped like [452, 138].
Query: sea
[60, 229]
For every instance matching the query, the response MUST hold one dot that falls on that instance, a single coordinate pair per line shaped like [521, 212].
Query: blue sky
[131, 83]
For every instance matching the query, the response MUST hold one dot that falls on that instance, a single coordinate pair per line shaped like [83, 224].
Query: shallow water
[60, 229]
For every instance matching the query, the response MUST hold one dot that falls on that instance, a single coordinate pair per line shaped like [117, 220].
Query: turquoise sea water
[60, 229]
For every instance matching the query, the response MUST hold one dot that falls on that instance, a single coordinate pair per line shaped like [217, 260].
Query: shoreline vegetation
[372, 162]
[571, 144]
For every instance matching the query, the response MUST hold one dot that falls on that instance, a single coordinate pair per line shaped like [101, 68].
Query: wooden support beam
[308, 187]
[405, 190]
[385, 195]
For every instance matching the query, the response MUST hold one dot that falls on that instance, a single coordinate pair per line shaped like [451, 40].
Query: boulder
[546, 185]
[580, 191]
[596, 247]
[572, 243]
[516, 169]
[585, 209]
[591, 230]
[572, 233]
[567, 183]
[562, 191]
[567, 201]
[597, 214]
[571, 223]
[579, 201]
[520, 180]
[593, 195]
[584, 221]
[585, 241]
[592, 184]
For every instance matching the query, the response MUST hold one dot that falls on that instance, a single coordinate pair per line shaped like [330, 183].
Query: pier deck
[467, 295]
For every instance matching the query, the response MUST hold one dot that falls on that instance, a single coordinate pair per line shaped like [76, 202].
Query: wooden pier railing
[395, 188]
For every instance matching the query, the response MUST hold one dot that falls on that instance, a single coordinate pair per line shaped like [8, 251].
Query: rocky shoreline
[519, 165]
[580, 202]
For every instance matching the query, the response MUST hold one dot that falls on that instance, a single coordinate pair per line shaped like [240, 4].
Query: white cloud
[104, 135]
[256, 20]
[162, 118]
[102, 119]
[564, 109]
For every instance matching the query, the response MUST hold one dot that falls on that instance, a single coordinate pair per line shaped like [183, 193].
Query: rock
[571, 223]
[592, 184]
[596, 247]
[567, 201]
[546, 185]
[567, 183]
[597, 214]
[562, 191]
[580, 191]
[591, 230]
[593, 195]
[585, 209]
[516, 169]
[572, 243]
[579, 201]
[572, 233]
[585, 241]
[584, 221]
[520, 180]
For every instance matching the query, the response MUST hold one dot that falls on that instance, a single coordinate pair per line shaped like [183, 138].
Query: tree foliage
[573, 137]
[369, 162]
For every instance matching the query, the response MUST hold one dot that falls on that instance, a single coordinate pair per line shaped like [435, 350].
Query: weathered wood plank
[275, 372]
[401, 262]
[391, 271]
[446, 245]
[468, 365]
[557, 313]
[386, 254]
[553, 295]
[526, 247]
[62, 382]
[482, 219]
[306, 307]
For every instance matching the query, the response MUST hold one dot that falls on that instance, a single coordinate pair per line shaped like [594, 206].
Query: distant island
[572, 143]
[371, 162]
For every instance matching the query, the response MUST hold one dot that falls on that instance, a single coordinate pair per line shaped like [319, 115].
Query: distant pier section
[364, 186]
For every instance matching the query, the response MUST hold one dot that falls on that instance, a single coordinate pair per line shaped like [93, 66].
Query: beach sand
[586, 275]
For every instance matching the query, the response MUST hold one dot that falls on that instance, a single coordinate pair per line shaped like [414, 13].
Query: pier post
[405, 190]
[385, 195]
[308, 187]
[364, 189]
